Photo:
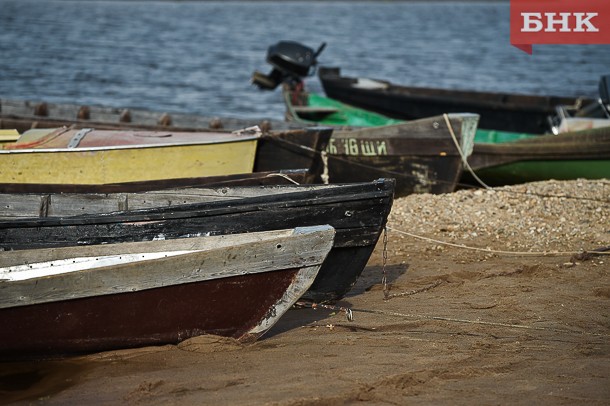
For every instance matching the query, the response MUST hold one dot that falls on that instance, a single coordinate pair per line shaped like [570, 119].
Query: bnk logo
[559, 22]
[533, 22]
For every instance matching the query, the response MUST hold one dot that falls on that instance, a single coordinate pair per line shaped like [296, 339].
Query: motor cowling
[291, 61]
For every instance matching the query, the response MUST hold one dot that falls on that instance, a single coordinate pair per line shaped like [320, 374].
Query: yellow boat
[93, 157]
[8, 136]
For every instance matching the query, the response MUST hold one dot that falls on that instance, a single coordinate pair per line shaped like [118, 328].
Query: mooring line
[490, 251]
[395, 174]
[349, 312]
[459, 149]
[481, 322]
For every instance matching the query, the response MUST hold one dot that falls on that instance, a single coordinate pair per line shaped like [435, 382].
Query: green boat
[498, 157]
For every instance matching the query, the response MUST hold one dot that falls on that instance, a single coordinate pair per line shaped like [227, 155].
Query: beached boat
[503, 158]
[498, 111]
[74, 156]
[421, 154]
[357, 211]
[498, 157]
[8, 136]
[100, 297]
[23, 115]
[100, 157]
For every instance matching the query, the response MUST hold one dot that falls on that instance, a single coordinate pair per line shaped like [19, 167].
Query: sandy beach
[492, 297]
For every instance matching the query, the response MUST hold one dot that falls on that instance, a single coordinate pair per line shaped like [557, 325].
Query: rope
[519, 253]
[281, 175]
[350, 317]
[486, 323]
[407, 176]
[325, 176]
[459, 149]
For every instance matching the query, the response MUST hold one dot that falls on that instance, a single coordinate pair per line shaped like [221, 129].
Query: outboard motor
[291, 61]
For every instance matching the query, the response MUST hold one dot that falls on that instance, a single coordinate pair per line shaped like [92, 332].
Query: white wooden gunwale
[206, 258]
[211, 140]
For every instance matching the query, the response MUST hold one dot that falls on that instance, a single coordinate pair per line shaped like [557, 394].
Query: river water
[198, 56]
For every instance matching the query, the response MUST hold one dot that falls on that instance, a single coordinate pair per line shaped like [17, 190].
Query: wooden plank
[203, 259]
[67, 114]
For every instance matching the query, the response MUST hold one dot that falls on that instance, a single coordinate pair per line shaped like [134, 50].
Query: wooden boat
[423, 156]
[498, 111]
[59, 156]
[357, 211]
[71, 156]
[8, 136]
[501, 158]
[498, 157]
[101, 297]
[420, 154]
[23, 115]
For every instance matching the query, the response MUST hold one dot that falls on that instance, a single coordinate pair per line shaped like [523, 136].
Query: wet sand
[459, 327]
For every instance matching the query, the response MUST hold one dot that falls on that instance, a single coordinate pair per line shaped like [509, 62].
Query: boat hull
[534, 171]
[294, 149]
[283, 146]
[580, 154]
[413, 173]
[55, 161]
[358, 212]
[23, 115]
[498, 111]
[421, 155]
[236, 290]
[154, 317]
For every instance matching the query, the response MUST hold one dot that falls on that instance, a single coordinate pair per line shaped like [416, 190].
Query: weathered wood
[421, 154]
[238, 286]
[132, 267]
[288, 148]
[580, 145]
[499, 111]
[135, 156]
[23, 205]
[290, 176]
[68, 114]
[358, 212]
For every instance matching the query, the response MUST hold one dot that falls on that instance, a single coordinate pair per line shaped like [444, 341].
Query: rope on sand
[598, 251]
[481, 322]
[350, 317]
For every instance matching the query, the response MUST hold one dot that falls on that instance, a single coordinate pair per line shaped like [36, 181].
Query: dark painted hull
[99, 297]
[421, 154]
[413, 173]
[358, 212]
[294, 149]
[498, 111]
[581, 154]
[580, 145]
[150, 317]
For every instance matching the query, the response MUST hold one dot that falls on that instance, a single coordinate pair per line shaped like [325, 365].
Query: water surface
[197, 57]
